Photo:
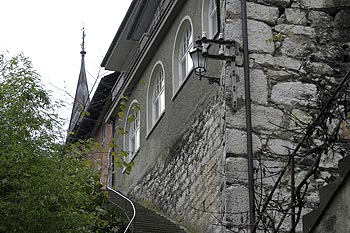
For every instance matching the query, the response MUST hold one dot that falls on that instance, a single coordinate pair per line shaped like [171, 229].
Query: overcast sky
[49, 33]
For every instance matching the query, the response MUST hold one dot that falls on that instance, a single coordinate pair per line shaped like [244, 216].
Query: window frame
[133, 131]
[153, 114]
[209, 25]
[178, 80]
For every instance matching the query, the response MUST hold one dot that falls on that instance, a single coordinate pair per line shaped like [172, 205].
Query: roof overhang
[96, 110]
[124, 45]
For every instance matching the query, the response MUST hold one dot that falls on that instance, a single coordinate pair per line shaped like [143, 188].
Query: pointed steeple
[81, 100]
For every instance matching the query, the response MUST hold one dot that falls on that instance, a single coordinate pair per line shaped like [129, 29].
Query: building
[247, 144]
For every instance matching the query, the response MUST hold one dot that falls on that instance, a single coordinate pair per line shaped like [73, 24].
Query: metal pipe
[292, 190]
[250, 154]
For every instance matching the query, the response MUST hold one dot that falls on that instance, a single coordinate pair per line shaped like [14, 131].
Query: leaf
[348, 115]
[124, 153]
[120, 114]
[131, 118]
[88, 163]
[137, 107]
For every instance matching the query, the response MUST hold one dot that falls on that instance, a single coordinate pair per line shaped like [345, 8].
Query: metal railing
[131, 203]
[126, 199]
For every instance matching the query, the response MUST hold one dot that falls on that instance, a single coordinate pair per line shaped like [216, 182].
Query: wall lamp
[200, 54]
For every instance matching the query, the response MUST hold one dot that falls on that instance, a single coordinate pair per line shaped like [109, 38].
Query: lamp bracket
[219, 57]
[211, 80]
[215, 41]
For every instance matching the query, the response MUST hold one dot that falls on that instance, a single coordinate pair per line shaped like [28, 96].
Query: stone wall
[185, 183]
[298, 50]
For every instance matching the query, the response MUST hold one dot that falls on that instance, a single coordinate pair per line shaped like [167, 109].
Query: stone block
[280, 147]
[290, 29]
[263, 13]
[297, 47]
[294, 93]
[236, 170]
[299, 118]
[259, 34]
[255, 11]
[330, 160]
[267, 172]
[279, 75]
[237, 142]
[320, 19]
[319, 68]
[263, 118]
[279, 3]
[317, 3]
[269, 61]
[234, 30]
[296, 16]
[258, 85]
[237, 204]
[233, 9]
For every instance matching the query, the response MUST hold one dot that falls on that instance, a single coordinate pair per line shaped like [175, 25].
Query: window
[134, 135]
[132, 138]
[110, 176]
[182, 62]
[185, 61]
[210, 18]
[156, 95]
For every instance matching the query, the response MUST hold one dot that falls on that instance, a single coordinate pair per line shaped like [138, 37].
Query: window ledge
[132, 158]
[155, 124]
[182, 84]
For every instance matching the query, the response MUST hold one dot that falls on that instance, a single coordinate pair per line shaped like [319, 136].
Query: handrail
[132, 205]
[117, 192]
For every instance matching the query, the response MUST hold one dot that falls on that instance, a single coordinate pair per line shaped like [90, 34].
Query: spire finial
[83, 44]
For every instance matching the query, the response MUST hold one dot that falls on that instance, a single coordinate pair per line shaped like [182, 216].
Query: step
[147, 220]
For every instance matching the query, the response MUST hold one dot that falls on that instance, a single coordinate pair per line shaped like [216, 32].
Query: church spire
[81, 100]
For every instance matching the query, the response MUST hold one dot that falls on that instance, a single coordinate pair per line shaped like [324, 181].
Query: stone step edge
[162, 215]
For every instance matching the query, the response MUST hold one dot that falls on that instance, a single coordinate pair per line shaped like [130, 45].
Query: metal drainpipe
[250, 154]
[113, 137]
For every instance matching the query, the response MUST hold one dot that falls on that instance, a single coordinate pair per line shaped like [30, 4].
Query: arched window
[158, 104]
[185, 61]
[156, 95]
[210, 18]
[182, 62]
[132, 138]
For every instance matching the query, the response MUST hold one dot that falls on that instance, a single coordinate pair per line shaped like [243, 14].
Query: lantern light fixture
[200, 54]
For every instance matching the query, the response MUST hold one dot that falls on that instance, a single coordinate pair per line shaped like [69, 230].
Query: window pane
[155, 109]
[213, 21]
[134, 134]
[162, 102]
[185, 61]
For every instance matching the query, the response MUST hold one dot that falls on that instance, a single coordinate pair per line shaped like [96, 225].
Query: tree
[45, 186]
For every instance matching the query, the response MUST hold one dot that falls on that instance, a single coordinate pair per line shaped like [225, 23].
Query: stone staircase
[146, 220]
[327, 193]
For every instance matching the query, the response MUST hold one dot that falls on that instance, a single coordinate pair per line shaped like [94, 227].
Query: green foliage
[111, 220]
[276, 38]
[44, 186]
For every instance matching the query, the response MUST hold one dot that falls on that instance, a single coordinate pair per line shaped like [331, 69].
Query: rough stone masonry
[298, 50]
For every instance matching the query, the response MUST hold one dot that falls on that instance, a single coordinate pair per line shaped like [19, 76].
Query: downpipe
[250, 154]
